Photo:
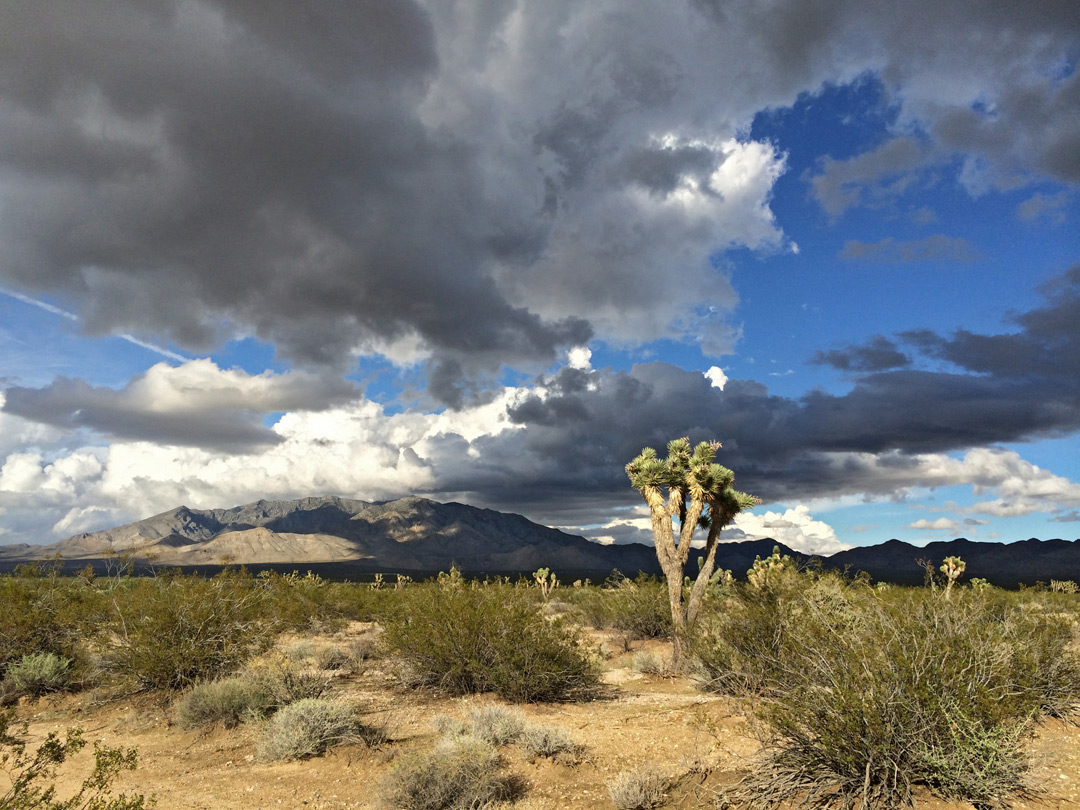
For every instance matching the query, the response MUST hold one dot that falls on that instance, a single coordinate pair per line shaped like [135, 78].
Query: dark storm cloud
[1046, 347]
[580, 436]
[880, 354]
[478, 184]
[261, 162]
[195, 405]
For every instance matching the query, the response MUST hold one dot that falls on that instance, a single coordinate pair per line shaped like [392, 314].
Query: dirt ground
[700, 740]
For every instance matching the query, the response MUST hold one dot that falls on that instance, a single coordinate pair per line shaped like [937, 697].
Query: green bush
[39, 673]
[307, 728]
[264, 687]
[460, 773]
[46, 614]
[175, 631]
[466, 639]
[867, 695]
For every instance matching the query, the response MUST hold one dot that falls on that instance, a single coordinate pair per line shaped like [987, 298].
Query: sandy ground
[700, 740]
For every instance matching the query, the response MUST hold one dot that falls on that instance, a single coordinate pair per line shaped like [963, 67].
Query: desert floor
[701, 740]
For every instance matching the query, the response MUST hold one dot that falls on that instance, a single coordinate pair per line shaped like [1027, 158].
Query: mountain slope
[410, 534]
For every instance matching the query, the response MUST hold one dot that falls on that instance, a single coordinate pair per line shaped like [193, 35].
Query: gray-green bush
[229, 701]
[308, 728]
[459, 773]
[867, 695]
[641, 788]
[537, 740]
[39, 673]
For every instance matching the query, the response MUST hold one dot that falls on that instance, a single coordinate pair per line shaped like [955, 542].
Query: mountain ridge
[415, 534]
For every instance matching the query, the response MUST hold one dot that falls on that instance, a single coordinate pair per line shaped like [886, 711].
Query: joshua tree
[686, 485]
[952, 568]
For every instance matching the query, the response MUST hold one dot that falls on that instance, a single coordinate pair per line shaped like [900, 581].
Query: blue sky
[487, 254]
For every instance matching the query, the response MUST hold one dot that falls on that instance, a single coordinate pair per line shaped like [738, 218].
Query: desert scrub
[537, 740]
[264, 686]
[638, 608]
[228, 701]
[39, 673]
[498, 725]
[46, 614]
[308, 728]
[865, 696]
[649, 663]
[642, 788]
[466, 639]
[31, 773]
[459, 773]
[175, 631]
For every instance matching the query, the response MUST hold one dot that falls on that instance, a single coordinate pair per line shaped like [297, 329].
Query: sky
[488, 251]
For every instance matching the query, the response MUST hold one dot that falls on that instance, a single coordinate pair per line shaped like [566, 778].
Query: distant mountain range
[419, 536]
[410, 535]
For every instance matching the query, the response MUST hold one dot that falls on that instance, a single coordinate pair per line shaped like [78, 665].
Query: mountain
[420, 536]
[1007, 564]
[407, 535]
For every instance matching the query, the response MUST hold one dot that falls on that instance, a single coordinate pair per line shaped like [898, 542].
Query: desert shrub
[538, 740]
[745, 645]
[638, 608]
[228, 701]
[464, 639]
[31, 773]
[300, 651]
[307, 728]
[173, 632]
[498, 725]
[334, 659]
[287, 681]
[39, 673]
[46, 614]
[649, 663]
[642, 788]
[460, 773]
[867, 695]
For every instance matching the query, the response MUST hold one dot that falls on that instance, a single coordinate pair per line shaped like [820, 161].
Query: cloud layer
[342, 179]
[555, 449]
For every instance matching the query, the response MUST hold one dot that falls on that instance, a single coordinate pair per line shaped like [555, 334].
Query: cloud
[796, 528]
[579, 358]
[891, 251]
[555, 449]
[336, 183]
[716, 377]
[1044, 350]
[858, 181]
[1069, 517]
[1045, 207]
[195, 404]
[941, 524]
[878, 354]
